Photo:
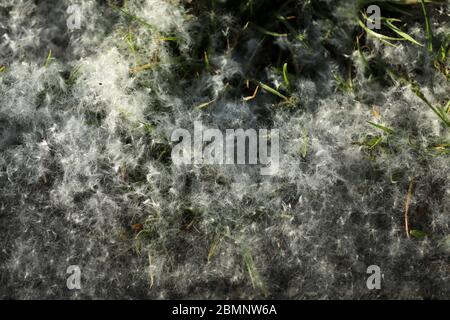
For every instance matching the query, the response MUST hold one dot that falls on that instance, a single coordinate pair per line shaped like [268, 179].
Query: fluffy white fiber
[86, 176]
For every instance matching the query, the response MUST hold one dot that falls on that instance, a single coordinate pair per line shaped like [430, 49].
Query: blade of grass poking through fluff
[253, 273]
[441, 148]
[427, 27]
[417, 233]
[2, 69]
[143, 67]
[440, 112]
[253, 96]
[444, 50]
[361, 54]
[405, 36]
[285, 22]
[273, 91]
[137, 19]
[213, 248]
[408, 200]
[304, 149]
[372, 143]
[207, 65]
[168, 39]
[73, 75]
[206, 104]
[374, 34]
[379, 126]
[270, 33]
[285, 75]
[147, 127]
[49, 58]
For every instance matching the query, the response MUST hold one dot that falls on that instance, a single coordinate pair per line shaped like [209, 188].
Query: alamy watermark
[374, 280]
[373, 17]
[211, 146]
[74, 20]
[74, 280]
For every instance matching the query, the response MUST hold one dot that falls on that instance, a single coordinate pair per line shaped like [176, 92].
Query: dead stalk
[150, 270]
[407, 204]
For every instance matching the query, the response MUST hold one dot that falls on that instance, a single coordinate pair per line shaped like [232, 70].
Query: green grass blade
[206, 104]
[285, 75]
[379, 126]
[304, 149]
[379, 36]
[132, 16]
[168, 39]
[417, 233]
[427, 27]
[402, 34]
[270, 33]
[255, 277]
[273, 91]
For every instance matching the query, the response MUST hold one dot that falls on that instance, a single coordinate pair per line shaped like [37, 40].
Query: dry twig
[407, 204]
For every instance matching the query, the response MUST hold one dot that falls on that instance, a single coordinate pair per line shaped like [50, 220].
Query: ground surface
[87, 179]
